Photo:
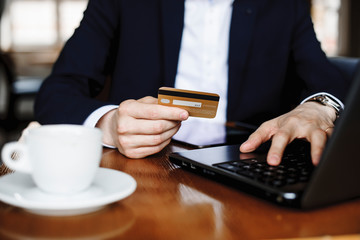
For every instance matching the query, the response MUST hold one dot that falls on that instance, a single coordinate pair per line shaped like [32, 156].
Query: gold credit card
[198, 104]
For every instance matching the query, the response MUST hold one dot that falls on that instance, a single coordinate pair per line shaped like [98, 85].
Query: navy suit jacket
[135, 44]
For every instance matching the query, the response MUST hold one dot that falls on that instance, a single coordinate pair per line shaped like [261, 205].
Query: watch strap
[326, 100]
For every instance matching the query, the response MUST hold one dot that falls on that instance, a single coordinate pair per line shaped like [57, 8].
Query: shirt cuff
[95, 116]
[328, 94]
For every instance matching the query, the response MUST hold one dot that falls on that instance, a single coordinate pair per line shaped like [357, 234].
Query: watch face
[328, 101]
[323, 99]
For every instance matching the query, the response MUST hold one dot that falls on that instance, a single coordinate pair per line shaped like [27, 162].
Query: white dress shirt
[203, 59]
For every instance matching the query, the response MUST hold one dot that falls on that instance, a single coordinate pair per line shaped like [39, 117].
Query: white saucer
[18, 189]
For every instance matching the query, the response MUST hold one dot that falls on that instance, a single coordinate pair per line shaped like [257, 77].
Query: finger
[145, 127]
[148, 100]
[141, 110]
[152, 100]
[279, 142]
[136, 141]
[142, 152]
[318, 141]
[253, 142]
[261, 135]
[329, 131]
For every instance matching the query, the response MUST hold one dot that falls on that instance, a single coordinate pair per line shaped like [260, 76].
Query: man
[244, 50]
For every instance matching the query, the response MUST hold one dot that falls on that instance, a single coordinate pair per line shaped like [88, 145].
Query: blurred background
[32, 32]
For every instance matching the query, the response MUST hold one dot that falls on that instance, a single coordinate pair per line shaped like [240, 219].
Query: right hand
[139, 128]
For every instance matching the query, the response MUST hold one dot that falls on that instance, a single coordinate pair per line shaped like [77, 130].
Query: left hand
[311, 121]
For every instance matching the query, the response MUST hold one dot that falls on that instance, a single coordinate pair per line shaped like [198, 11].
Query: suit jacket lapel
[172, 26]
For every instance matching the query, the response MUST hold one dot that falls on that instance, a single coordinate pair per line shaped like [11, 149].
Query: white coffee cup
[62, 159]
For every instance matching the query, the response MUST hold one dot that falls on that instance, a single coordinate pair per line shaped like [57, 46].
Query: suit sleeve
[67, 95]
[312, 65]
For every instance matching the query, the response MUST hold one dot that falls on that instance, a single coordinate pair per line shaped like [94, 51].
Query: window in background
[325, 15]
[71, 13]
[34, 31]
[39, 24]
[32, 24]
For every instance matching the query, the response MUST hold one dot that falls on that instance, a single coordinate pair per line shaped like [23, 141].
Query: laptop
[295, 182]
[193, 130]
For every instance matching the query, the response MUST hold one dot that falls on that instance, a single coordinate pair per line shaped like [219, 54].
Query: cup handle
[14, 155]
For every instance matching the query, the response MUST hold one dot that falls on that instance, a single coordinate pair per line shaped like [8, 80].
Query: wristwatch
[326, 100]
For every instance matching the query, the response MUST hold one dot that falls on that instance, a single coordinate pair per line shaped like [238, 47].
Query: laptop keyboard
[294, 168]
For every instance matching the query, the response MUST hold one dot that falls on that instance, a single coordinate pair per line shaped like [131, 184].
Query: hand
[139, 128]
[311, 121]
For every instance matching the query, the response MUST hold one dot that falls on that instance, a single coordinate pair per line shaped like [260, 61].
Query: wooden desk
[170, 203]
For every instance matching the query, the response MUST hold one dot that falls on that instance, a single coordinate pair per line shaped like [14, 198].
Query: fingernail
[247, 147]
[316, 160]
[184, 115]
[273, 159]
[244, 145]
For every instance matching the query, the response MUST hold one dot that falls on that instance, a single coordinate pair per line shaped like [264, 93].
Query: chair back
[347, 65]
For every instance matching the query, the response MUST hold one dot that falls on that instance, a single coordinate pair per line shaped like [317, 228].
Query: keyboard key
[247, 174]
[278, 183]
[293, 169]
[229, 167]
